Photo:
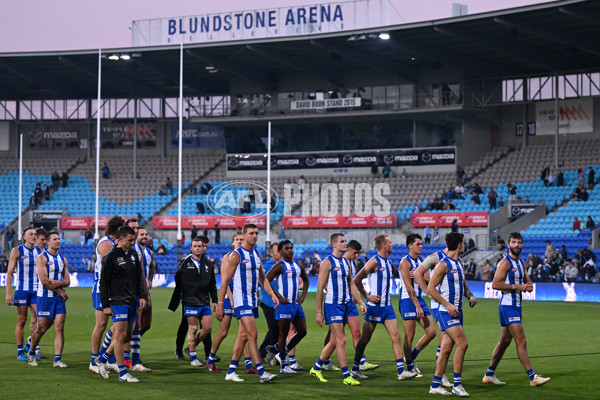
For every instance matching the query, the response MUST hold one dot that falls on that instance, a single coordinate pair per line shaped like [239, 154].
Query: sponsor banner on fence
[575, 116]
[197, 136]
[344, 159]
[208, 221]
[542, 291]
[116, 134]
[46, 216]
[446, 218]
[339, 221]
[53, 136]
[517, 210]
[84, 222]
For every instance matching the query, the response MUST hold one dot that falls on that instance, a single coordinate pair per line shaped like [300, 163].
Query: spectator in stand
[501, 202]
[584, 195]
[550, 179]
[563, 251]
[590, 224]
[475, 189]
[316, 258]
[403, 176]
[539, 275]
[169, 185]
[460, 174]
[470, 269]
[591, 178]
[560, 178]
[589, 270]
[301, 183]
[449, 205]
[471, 245]
[436, 234]
[65, 179]
[492, 196]
[486, 275]
[512, 189]
[374, 169]
[459, 190]
[580, 178]
[560, 275]
[550, 250]
[105, 171]
[427, 235]
[450, 194]
[416, 209]
[386, 171]
[475, 200]
[200, 207]
[571, 272]
[576, 224]
[532, 263]
[544, 175]
[454, 226]
[500, 243]
[554, 267]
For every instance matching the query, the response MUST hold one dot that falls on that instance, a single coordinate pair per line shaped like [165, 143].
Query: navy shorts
[509, 315]
[198, 312]
[409, 311]
[447, 321]
[378, 314]
[123, 312]
[96, 303]
[289, 312]
[339, 313]
[227, 308]
[49, 307]
[24, 298]
[246, 311]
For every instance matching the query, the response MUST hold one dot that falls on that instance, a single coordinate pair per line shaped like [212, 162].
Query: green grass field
[563, 344]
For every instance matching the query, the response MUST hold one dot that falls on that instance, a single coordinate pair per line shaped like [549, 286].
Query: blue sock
[276, 348]
[211, 358]
[248, 362]
[37, 347]
[327, 362]
[232, 366]
[283, 359]
[531, 374]
[363, 359]
[260, 369]
[318, 365]
[57, 357]
[94, 356]
[437, 354]
[415, 353]
[400, 366]
[122, 370]
[490, 371]
[457, 379]
[192, 356]
[135, 342]
[292, 360]
[410, 365]
[126, 355]
[112, 359]
[28, 344]
[106, 342]
[345, 372]
[437, 382]
[104, 358]
[355, 365]
[20, 349]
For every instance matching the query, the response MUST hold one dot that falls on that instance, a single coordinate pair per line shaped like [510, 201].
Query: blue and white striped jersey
[514, 276]
[380, 281]
[414, 263]
[55, 266]
[98, 265]
[338, 291]
[452, 286]
[288, 280]
[245, 279]
[26, 271]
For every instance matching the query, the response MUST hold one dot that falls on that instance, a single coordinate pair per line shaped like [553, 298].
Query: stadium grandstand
[430, 119]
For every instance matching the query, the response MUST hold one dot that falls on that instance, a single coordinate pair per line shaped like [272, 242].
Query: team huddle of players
[123, 279]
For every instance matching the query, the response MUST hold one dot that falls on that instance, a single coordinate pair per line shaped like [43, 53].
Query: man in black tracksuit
[195, 287]
[121, 284]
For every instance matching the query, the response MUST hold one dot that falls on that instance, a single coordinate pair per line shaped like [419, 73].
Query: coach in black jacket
[195, 287]
[121, 284]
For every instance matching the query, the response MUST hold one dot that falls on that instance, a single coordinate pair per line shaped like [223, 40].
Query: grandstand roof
[539, 40]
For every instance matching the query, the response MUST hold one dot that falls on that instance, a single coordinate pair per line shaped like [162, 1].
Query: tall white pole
[269, 186]
[180, 151]
[20, 227]
[96, 236]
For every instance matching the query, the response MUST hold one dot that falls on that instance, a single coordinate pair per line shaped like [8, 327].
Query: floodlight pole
[180, 151]
[96, 235]
[268, 241]
[19, 226]
[557, 117]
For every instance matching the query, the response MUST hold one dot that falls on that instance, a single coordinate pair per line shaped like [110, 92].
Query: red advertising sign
[446, 218]
[84, 222]
[339, 221]
[208, 221]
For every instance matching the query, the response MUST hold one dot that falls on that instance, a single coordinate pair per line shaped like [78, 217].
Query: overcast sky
[39, 25]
